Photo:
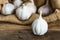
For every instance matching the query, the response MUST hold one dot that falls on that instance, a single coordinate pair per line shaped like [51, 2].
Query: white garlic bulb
[17, 3]
[46, 9]
[25, 11]
[40, 26]
[7, 8]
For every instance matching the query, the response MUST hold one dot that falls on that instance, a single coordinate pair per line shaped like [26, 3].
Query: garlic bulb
[17, 3]
[46, 9]
[40, 26]
[7, 8]
[25, 11]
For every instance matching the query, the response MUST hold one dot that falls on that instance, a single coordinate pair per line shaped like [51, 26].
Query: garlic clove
[17, 3]
[39, 26]
[7, 9]
[45, 8]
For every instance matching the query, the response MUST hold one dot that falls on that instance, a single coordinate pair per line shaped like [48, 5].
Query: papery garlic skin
[7, 9]
[17, 3]
[25, 11]
[39, 26]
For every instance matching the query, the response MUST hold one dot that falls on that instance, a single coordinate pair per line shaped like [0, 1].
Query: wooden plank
[28, 35]
[13, 27]
[8, 26]
[54, 26]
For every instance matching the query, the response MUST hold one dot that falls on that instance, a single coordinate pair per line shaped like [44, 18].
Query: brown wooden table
[10, 31]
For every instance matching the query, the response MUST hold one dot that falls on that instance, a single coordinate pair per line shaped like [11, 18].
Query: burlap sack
[39, 2]
[55, 3]
[13, 19]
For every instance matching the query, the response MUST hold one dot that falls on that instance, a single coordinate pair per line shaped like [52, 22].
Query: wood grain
[55, 26]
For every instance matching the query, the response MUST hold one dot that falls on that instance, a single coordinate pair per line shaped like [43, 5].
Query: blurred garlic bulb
[17, 3]
[25, 11]
[40, 26]
[46, 9]
[7, 8]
